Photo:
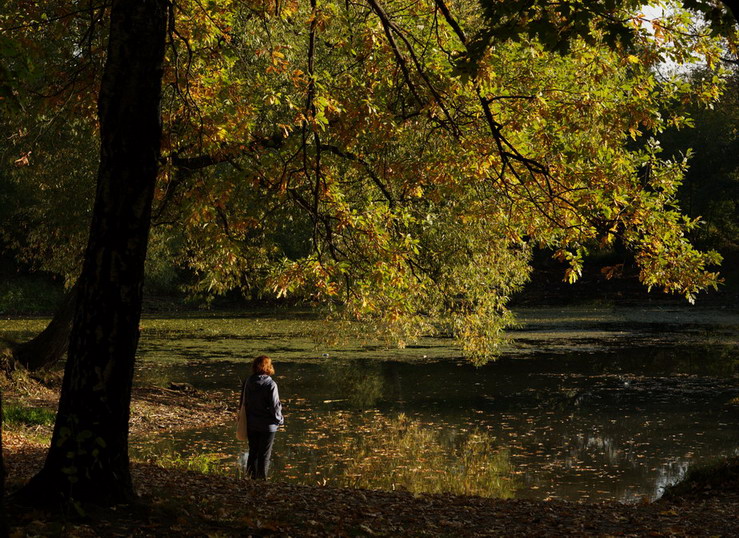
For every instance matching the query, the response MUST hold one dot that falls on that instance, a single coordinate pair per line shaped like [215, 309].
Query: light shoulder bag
[241, 423]
[241, 418]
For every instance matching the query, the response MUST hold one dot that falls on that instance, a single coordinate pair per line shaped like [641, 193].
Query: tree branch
[375, 178]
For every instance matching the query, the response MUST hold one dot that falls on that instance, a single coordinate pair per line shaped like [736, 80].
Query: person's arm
[276, 406]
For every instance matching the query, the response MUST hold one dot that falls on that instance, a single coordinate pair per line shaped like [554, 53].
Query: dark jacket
[264, 410]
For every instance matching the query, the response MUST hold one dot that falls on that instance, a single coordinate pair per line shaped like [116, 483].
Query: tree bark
[50, 345]
[88, 458]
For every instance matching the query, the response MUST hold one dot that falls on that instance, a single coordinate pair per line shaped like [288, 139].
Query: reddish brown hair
[262, 365]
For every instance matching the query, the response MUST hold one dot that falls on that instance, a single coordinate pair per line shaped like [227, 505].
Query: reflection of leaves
[405, 454]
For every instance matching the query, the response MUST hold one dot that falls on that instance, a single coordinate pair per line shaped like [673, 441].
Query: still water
[584, 405]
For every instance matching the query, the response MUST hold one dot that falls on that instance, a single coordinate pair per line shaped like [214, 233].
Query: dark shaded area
[710, 189]
[548, 288]
[707, 481]
[27, 292]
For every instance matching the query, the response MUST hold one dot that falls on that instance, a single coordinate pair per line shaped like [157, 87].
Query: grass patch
[19, 415]
[201, 463]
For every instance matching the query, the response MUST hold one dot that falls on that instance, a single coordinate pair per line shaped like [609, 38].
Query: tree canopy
[396, 162]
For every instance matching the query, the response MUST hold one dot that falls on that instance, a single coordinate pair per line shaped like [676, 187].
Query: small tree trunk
[49, 346]
[88, 457]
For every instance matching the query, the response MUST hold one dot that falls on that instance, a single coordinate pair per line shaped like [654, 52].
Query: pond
[585, 404]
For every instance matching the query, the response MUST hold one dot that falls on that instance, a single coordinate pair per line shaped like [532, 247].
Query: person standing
[264, 416]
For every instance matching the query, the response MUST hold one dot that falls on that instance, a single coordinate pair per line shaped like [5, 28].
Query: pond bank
[153, 408]
[177, 501]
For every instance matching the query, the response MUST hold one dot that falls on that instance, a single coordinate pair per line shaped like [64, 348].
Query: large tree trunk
[3, 511]
[88, 457]
[50, 345]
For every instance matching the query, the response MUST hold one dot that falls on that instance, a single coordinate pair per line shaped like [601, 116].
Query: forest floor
[177, 501]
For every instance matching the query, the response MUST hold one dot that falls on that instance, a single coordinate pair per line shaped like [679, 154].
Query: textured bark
[88, 458]
[50, 345]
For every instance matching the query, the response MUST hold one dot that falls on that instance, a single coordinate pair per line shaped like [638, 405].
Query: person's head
[262, 365]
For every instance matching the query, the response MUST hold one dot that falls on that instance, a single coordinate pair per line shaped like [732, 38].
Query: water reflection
[403, 453]
[357, 383]
[618, 422]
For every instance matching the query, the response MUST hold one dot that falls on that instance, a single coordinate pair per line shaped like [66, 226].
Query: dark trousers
[260, 450]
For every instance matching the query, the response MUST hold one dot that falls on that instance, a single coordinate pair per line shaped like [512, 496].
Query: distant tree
[50, 345]
[710, 190]
[51, 56]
